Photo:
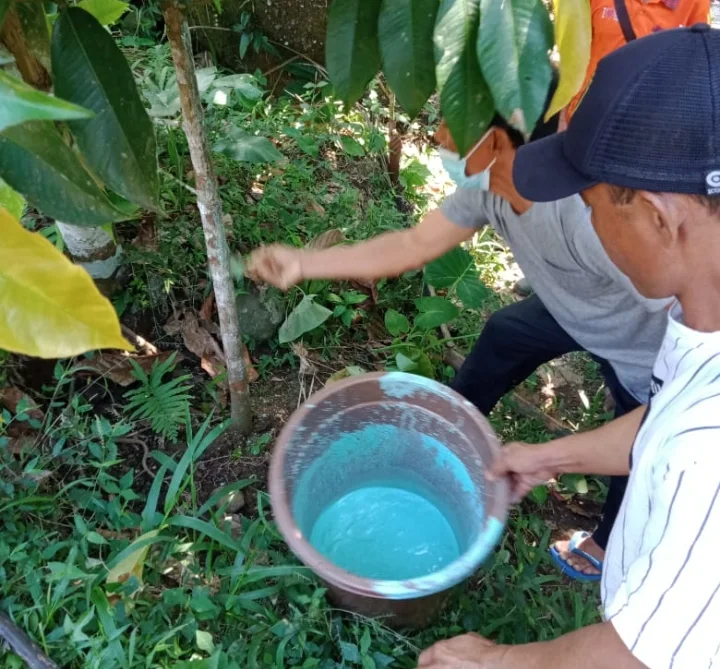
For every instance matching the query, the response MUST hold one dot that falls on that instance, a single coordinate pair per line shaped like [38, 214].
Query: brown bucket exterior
[417, 405]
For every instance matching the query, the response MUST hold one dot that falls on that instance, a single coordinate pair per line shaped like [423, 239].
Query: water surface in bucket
[385, 532]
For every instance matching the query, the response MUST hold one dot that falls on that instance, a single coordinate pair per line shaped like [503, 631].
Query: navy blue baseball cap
[650, 120]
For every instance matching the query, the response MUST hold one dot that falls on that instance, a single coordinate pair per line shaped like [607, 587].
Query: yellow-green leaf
[106, 12]
[11, 200]
[573, 33]
[134, 561]
[51, 308]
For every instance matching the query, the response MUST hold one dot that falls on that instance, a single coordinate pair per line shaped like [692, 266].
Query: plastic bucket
[381, 425]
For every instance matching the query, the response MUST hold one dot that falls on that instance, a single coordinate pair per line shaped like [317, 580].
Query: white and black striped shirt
[661, 578]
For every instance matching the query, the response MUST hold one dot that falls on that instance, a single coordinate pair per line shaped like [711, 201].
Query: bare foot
[578, 562]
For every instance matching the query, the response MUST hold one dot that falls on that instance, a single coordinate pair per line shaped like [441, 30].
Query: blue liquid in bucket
[385, 533]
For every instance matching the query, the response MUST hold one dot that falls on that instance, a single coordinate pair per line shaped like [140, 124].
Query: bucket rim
[450, 575]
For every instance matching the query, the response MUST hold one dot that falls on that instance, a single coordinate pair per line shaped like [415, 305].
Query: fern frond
[164, 404]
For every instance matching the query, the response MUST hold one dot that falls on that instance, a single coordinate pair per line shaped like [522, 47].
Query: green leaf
[205, 528]
[245, 148]
[35, 161]
[405, 363]
[455, 28]
[204, 641]
[242, 83]
[406, 43]
[350, 652]
[540, 494]
[352, 50]
[465, 99]
[11, 201]
[351, 146]
[20, 102]
[107, 12]
[513, 50]
[95, 538]
[396, 323]
[118, 144]
[434, 311]
[304, 317]
[456, 271]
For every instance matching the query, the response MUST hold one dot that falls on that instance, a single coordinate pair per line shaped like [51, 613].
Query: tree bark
[94, 250]
[210, 206]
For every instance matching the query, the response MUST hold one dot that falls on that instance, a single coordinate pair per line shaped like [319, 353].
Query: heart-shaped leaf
[245, 148]
[304, 317]
[35, 161]
[456, 272]
[20, 102]
[118, 144]
[396, 323]
[405, 34]
[51, 308]
[352, 50]
[513, 49]
[434, 311]
[573, 34]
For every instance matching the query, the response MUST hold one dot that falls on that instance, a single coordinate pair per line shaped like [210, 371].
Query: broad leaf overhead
[405, 33]
[455, 26]
[11, 200]
[107, 12]
[51, 308]
[465, 98]
[573, 33]
[353, 54]
[513, 50]
[20, 102]
[35, 161]
[118, 144]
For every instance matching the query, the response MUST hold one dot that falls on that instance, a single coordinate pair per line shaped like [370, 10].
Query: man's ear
[484, 155]
[666, 212]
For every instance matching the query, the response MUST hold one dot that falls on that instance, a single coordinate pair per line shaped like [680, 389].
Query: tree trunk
[32, 62]
[210, 206]
[94, 250]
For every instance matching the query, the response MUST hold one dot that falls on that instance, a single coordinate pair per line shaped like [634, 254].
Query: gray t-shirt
[562, 257]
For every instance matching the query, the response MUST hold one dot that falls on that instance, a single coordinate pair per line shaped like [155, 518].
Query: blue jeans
[516, 340]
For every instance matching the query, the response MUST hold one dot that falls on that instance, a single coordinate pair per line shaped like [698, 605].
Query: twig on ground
[139, 342]
[135, 441]
[23, 646]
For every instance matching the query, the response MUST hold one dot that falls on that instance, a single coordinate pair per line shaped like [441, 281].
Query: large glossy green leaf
[304, 317]
[118, 144]
[245, 148]
[513, 49]
[352, 50]
[107, 12]
[465, 99]
[434, 311]
[406, 34]
[20, 102]
[456, 272]
[35, 161]
[11, 200]
[455, 26]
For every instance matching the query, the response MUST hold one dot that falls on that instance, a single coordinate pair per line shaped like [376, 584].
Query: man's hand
[525, 465]
[278, 265]
[470, 651]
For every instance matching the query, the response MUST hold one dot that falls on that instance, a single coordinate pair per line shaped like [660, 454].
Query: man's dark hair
[622, 195]
[543, 127]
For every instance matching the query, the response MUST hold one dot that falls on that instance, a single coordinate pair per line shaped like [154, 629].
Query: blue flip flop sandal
[570, 571]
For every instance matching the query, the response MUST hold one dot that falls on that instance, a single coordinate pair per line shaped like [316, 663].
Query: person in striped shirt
[643, 149]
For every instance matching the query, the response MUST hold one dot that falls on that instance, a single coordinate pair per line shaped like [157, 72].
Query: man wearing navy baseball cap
[643, 149]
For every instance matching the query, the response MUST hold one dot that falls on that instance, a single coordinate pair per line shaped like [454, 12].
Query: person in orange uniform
[616, 22]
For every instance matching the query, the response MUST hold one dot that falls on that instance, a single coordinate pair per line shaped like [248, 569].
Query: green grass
[211, 594]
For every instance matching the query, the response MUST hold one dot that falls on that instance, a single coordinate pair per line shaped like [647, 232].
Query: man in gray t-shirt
[581, 302]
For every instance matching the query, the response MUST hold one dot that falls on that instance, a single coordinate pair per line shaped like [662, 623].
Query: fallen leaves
[117, 366]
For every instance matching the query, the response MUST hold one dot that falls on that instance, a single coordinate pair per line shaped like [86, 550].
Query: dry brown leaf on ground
[118, 368]
[199, 340]
[10, 398]
[208, 307]
[146, 238]
[313, 205]
[327, 239]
